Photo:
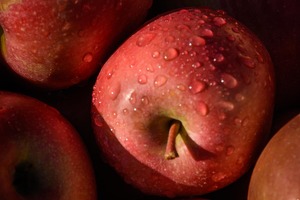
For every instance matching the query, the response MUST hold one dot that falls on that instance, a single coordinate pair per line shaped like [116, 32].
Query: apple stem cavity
[171, 152]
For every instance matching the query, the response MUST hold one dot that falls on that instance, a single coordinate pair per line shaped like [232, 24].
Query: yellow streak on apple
[6, 3]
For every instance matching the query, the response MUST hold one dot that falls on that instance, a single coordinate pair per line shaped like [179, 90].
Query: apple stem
[171, 152]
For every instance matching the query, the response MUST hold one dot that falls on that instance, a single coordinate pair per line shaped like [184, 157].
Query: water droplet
[197, 41]
[170, 39]
[218, 177]
[183, 27]
[132, 98]
[114, 90]
[235, 29]
[207, 33]
[202, 108]
[114, 115]
[149, 68]
[226, 105]
[239, 97]
[247, 61]
[230, 38]
[238, 121]
[145, 39]
[197, 86]
[170, 54]
[196, 65]
[230, 150]
[181, 87]
[109, 74]
[219, 21]
[125, 111]
[219, 58]
[228, 80]
[155, 54]
[142, 79]
[88, 57]
[160, 80]
[98, 121]
[145, 100]
[259, 57]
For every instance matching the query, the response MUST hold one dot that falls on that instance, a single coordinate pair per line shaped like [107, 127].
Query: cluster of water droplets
[205, 64]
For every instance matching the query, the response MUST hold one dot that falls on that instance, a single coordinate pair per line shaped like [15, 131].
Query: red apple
[42, 155]
[56, 44]
[277, 24]
[276, 174]
[183, 105]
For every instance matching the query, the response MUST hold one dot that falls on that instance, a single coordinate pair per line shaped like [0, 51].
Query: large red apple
[42, 155]
[183, 105]
[57, 44]
[276, 174]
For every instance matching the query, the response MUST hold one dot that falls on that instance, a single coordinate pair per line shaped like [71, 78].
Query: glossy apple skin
[56, 44]
[35, 134]
[276, 174]
[200, 67]
[276, 23]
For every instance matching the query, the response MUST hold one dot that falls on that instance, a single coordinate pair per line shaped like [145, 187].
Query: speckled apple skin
[33, 132]
[56, 44]
[276, 172]
[198, 66]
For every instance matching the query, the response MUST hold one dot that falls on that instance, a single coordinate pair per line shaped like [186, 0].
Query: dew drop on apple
[196, 65]
[228, 106]
[219, 58]
[238, 121]
[197, 41]
[206, 33]
[142, 79]
[219, 21]
[181, 87]
[183, 27]
[145, 39]
[230, 150]
[239, 97]
[125, 111]
[170, 54]
[98, 121]
[155, 54]
[109, 74]
[218, 176]
[145, 100]
[160, 80]
[114, 91]
[228, 80]
[247, 61]
[132, 98]
[170, 39]
[88, 57]
[149, 68]
[197, 86]
[202, 108]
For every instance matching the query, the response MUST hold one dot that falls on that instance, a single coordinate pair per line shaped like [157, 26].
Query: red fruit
[276, 174]
[42, 156]
[183, 105]
[277, 24]
[56, 44]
